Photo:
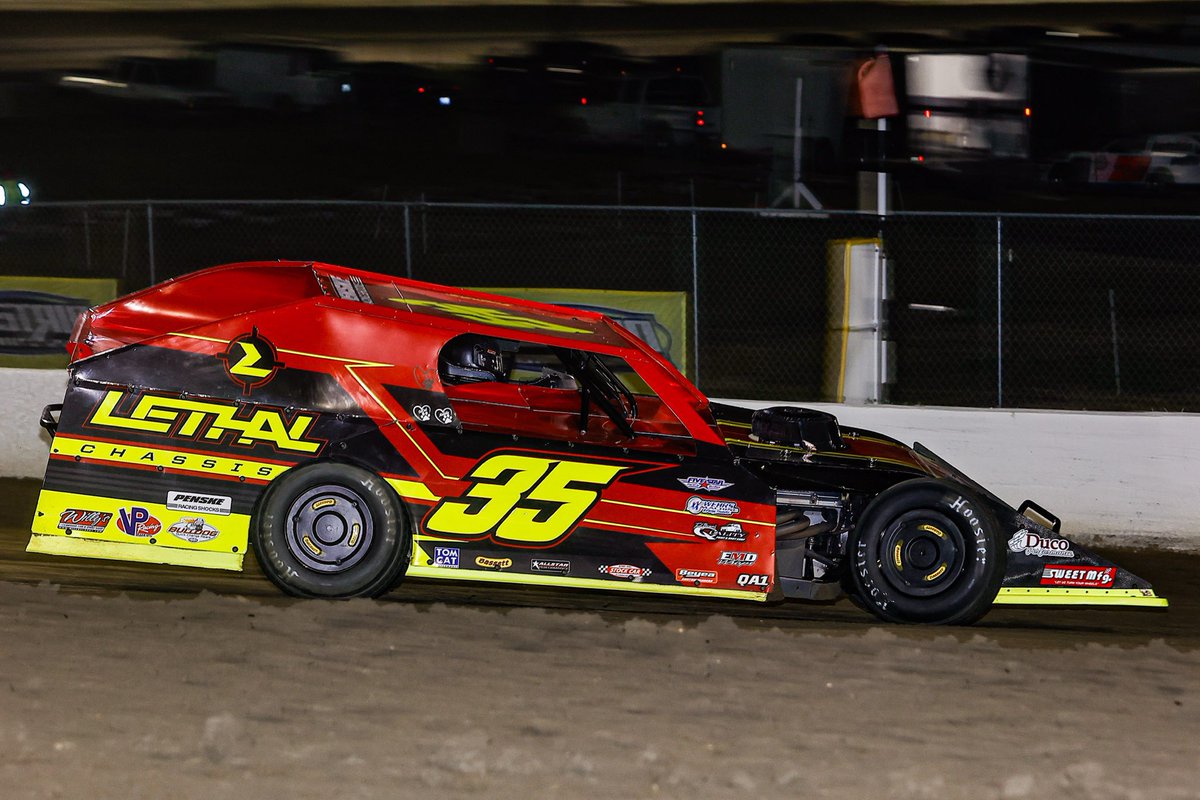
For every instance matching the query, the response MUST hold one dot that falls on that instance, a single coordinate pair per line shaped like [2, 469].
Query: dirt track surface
[125, 681]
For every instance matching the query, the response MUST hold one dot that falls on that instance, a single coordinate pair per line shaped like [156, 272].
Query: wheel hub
[328, 528]
[922, 553]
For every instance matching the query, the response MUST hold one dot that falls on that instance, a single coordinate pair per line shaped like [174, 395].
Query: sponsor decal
[972, 517]
[493, 563]
[1032, 544]
[712, 531]
[695, 576]
[445, 557]
[731, 558]
[78, 519]
[1066, 575]
[718, 508]
[422, 413]
[251, 361]
[555, 566]
[193, 529]
[751, 579]
[200, 503]
[705, 484]
[625, 571]
[207, 420]
[444, 416]
[489, 315]
[137, 521]
[37, 322]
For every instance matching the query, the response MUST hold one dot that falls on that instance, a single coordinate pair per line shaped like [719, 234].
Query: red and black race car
[356, 428]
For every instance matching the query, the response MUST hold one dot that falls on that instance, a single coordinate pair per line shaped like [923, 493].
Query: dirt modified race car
[356, 428]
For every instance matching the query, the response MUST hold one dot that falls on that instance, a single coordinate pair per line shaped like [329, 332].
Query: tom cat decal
[522, 500]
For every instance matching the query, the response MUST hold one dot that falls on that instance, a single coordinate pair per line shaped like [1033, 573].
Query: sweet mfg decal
[1084, 577]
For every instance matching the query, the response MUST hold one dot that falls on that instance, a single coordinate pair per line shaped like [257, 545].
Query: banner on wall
[660, 319]
[37, 315]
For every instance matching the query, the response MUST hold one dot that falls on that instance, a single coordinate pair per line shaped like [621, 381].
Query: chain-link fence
[981, 310]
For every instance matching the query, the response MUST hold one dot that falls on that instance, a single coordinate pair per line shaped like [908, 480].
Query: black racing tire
[927, 551]
[332, 530]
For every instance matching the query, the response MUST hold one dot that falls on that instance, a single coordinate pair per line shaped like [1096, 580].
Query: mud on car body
[356, 429]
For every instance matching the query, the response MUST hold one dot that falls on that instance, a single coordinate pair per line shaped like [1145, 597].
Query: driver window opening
[566, 393]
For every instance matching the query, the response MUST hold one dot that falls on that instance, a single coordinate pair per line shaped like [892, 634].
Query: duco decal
[522, 500]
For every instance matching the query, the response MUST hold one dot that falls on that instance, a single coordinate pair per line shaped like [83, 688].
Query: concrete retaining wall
[1116, 478]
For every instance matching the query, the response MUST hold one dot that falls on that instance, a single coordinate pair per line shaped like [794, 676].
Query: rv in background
[966, 107]
[280, 77]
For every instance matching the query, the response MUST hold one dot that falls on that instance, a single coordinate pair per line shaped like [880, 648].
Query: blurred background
[1009, 106]
[1024, 175]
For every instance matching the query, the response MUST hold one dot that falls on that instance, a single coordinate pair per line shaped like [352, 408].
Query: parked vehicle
[185, 84]
[281, 77]
[1158, 160]
[656, 110]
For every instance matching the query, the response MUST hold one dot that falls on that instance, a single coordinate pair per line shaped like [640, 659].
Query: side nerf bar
[49, 420]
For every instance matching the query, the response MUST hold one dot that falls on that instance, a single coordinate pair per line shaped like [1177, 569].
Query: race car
[355, 429]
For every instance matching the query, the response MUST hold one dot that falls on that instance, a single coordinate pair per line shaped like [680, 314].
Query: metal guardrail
[1011, 310]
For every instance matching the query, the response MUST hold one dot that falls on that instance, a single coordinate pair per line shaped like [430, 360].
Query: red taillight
[420, 90]
[927, 113]
[700, 123]
[583, 101]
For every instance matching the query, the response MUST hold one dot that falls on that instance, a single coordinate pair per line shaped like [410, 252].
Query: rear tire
[332, 530]
[927, 551]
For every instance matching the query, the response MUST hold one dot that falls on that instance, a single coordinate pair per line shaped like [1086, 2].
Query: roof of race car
[236, 289]
[464, 305]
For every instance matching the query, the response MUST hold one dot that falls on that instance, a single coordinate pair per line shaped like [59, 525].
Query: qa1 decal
[522, 500]
[251, 361]
[211, 420]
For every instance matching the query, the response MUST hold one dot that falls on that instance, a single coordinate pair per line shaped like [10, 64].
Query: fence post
[695, 305]
[999, 312]
[408, 266]
[150, 239]
[87, 239]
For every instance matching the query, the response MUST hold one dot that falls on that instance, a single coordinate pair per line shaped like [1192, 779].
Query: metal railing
[1013, 310]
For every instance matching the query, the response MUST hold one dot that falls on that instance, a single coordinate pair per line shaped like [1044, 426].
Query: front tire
[927, 551]
[332, 530]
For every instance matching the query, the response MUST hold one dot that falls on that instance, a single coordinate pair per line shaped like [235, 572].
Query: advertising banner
[37, 315]
[660, 319]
